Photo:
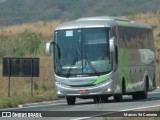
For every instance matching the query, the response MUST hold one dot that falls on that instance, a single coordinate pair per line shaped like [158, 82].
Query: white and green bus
[99, 57]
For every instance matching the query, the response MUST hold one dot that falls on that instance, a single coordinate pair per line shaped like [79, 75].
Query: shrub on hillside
[28, 43]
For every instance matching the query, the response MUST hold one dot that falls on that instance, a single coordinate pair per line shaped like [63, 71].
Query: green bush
[28, 43]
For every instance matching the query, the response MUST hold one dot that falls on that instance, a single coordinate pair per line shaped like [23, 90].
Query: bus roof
[103, 21]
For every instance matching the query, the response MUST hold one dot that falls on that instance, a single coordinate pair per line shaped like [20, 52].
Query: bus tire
[118, 98]
[144, 93]
[136, 96]
[71, 100]
[123, 87]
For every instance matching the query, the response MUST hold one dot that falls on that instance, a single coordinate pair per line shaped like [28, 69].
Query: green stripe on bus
[100, 79]
[122, 23]
[124, 70]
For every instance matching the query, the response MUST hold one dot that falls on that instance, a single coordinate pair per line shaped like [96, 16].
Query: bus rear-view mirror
[112, 44]
[48, 47]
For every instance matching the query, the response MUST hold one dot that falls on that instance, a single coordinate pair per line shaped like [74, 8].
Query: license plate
[83, 91]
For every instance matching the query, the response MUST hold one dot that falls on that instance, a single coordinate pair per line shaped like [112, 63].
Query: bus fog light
[109, 90]
[59, 92]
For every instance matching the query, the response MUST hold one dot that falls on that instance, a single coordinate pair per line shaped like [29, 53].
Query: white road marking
[141, 108]
[81, 118]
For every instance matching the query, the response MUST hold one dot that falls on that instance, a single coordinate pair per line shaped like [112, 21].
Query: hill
[21, 11]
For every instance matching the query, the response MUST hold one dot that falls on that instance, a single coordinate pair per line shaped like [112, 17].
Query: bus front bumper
[105, 88]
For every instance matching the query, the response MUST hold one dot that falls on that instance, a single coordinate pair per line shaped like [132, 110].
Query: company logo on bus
[82, 81]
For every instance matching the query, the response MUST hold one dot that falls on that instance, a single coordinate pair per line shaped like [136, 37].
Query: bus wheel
[140, 95]
[118, 98]
[144, 94]
[71, 100]
[136, 96]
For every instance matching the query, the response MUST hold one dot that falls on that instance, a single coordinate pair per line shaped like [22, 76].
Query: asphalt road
[87, 108]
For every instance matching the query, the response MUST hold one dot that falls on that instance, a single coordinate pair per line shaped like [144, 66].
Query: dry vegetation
[45, 28]
[43, 86]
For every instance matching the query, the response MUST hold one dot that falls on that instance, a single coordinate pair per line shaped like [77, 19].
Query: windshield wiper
[59, 50]
[68, 72]
[93, 68]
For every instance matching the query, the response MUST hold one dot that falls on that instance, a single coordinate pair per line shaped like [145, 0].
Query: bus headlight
[109, 90]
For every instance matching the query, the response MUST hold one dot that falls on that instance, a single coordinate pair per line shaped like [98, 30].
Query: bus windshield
[83, 52]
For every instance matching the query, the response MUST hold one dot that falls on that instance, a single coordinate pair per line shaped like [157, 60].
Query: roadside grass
[14, 101]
